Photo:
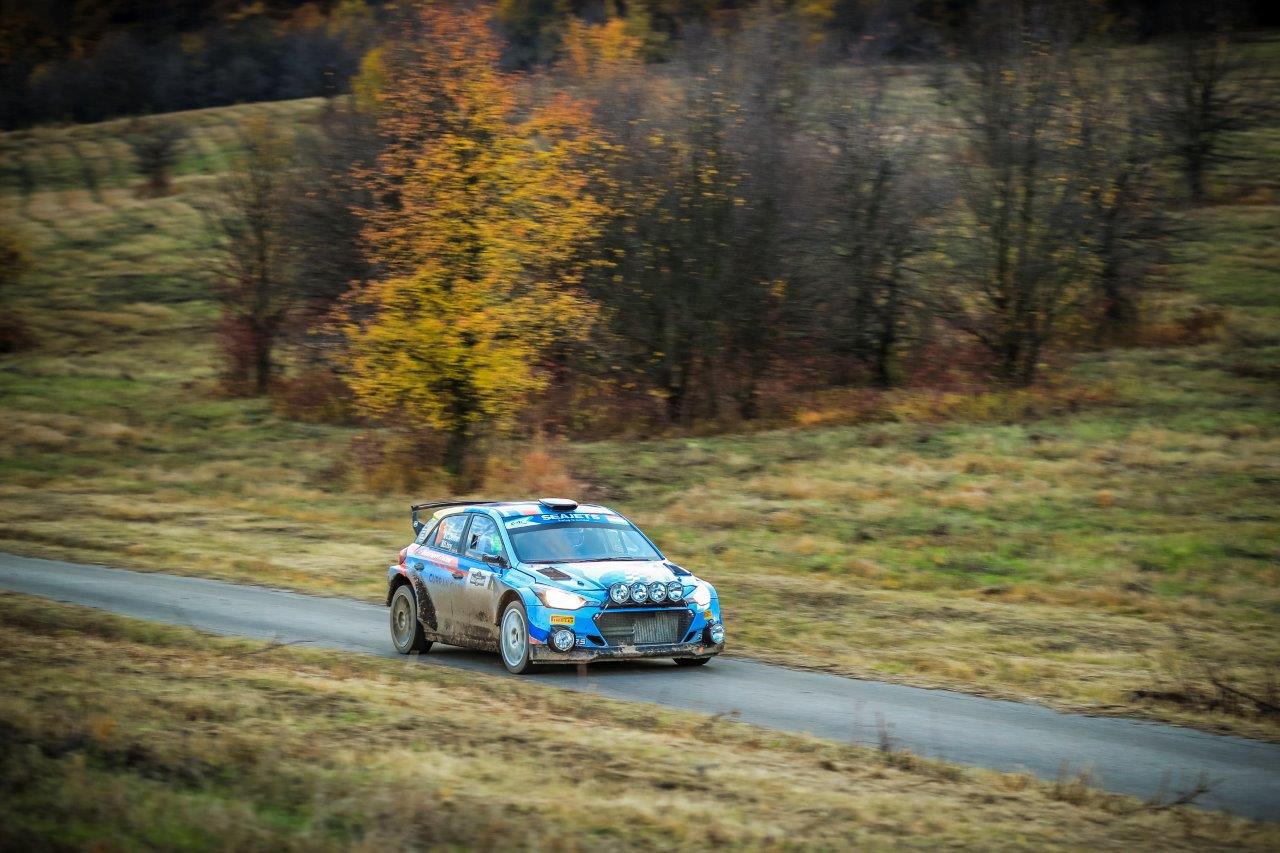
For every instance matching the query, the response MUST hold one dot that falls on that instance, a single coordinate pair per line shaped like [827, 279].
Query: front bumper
[694, 640]
[546, 654]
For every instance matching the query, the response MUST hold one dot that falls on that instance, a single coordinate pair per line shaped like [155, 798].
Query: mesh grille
[662, 627]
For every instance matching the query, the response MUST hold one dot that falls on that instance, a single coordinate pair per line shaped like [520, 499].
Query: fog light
[716, 631]
[657, 592]
[675, 590]
[562, 639]
[619, 593]
[639, 592]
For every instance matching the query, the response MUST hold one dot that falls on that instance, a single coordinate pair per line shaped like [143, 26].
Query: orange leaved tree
[483, 205]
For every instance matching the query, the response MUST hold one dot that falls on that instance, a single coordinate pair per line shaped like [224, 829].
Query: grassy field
[1107, 542]
[122, 734]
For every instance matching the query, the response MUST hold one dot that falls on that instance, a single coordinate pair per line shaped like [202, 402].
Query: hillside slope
[1107, 542]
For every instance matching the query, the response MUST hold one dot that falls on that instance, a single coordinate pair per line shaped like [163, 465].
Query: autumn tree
[769, 74]
[323, 222]
[873, 222]
[156, 145]
[481, 204]
[254, 287]
[1019, 252]
[1126, 228]
[666, 250]
[692, 261]
[15, 260]
[1199, 100]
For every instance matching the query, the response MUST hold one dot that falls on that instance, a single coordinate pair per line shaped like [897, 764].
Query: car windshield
[581, 542]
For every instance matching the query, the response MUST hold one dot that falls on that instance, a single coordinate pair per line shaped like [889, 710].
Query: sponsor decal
[560, 517]
[479, 578]
[448, 562]
[706, 614]
[561, 619]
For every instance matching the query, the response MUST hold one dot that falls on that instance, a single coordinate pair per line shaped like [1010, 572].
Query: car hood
[603, 575]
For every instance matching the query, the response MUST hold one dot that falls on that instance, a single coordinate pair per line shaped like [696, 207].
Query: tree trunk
[749, 392]
[1030, 362]
[884, 351]
[1118, 309]
[675, 401]
[1195, 177]
[261, 361]
[457, 444]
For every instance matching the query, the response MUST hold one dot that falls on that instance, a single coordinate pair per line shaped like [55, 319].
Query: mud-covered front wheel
[406, 631]
[513, 641]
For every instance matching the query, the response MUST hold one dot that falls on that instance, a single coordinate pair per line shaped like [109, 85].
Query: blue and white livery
[546, 581]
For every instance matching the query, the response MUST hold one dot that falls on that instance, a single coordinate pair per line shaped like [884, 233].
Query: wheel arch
[507, 597]
[396, 582]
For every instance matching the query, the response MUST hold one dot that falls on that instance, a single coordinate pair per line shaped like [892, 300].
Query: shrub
[534, 470]
[315, 395]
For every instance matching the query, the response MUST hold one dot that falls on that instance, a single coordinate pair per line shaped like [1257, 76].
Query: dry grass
[118, 734]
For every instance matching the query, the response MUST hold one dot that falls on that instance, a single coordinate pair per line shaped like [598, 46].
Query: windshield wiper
[612, 559]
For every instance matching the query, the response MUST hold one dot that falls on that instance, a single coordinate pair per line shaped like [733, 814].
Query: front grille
[652, 628]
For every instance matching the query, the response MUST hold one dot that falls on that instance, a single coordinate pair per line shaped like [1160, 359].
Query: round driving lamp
[657, 592]
[639, 592]
[619, 593]
[675, 591]
[716, 632]
[562, 639]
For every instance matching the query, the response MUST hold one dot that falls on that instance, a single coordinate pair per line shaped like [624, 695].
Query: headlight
[619, 593]
[701, 595]
[675, 590]
[717, 633]
[657, 592]
[559, 599]
[639, 592]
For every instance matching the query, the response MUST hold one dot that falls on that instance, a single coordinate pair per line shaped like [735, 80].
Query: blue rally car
[546, 581]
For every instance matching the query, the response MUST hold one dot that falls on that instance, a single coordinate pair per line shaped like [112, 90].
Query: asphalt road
[1128, 756]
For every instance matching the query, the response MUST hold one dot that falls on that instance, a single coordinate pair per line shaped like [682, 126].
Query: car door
[479, 597]
[439, 568]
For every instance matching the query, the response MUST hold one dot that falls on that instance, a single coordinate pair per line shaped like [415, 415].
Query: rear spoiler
[414, 509]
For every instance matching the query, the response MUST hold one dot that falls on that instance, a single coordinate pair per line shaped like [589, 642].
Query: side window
[449, 533]
[483, 538]
[427, 533]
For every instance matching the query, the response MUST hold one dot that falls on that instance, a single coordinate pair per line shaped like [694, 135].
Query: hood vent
[553, 573]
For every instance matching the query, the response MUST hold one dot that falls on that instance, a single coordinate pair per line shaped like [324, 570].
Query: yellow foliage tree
[484, 204]
[592, 51]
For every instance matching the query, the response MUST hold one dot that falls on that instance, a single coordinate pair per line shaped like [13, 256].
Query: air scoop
[559, 504]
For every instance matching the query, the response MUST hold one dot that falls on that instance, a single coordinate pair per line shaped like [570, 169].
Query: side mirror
[495, 560]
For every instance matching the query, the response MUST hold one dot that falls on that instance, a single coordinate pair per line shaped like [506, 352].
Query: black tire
[691, 661]
[513, 638]
[406, 630]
